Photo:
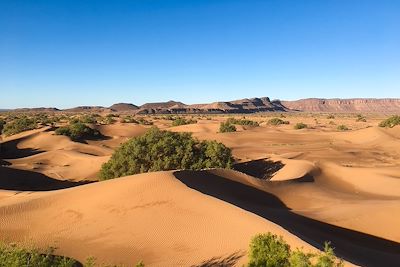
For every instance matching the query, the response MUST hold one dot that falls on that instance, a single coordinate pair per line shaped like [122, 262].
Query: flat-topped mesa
[385, 105]
[123, 107]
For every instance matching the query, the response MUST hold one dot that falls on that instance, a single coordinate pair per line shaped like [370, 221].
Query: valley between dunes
[342, 187]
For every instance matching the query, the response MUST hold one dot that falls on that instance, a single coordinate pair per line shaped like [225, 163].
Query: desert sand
[328, 185]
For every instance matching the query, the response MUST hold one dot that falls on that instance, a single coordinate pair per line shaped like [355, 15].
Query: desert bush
[78, 132]
[159, 150]
[19, 125]
[129, 119]
[182, 121]
[14, 256]
[226, 127]
[361, 118]
[2, 122]
[342, 127]
[277, 121]
[330, 117]
[92, 118]
[143, 121]
[390, 122]
[272, 251]
[244, 122]
[300, 125]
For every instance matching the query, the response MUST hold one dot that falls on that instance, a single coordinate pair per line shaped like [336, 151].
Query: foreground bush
[13, 256]
[159, 150]
[226, 127]
[182, 121]
[390, 122]
[269, 250]
[78, 132]
[300, 125]
[242, 122]
[277, 121]
[19, 125]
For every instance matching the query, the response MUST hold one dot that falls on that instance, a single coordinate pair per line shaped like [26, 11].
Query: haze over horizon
[71, 53]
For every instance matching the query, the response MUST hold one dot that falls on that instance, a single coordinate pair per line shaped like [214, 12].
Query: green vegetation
[159, 150]
[342, 127]
[19, 125]
[390, 122]
[78, 132]
[14, 256]
[361, 118]
[272, 251]
[129, 119]
[300, 125]
[182, 121]
[226, 127]
[143, 121]
[2, 122]
[242, 122]
[276, 121]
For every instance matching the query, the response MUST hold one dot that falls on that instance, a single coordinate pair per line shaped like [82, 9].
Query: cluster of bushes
[271, 250]
[78, 132]
[182, 121]
[361, 118]
[12, 255]
[226, 127]
[342, 127]
[390, 122]
[277, 121]
[159, 150]
[143, 121]
[19, 125]
[129, 119]
[15, 256]
[300, 125]
[242, 122]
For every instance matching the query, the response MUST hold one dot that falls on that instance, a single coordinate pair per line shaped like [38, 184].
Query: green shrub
[182, 121]
[2, 122]
[226, 127]
[159, 150]
[242, 122]
[276, 121]
[129, 119]
[361, 118]
[14, 256]
[143, 121]
[78, 132]
[19, 125]
[268, 250]
[272, 251]
[390, 122]
[300, 125]
[342, 127]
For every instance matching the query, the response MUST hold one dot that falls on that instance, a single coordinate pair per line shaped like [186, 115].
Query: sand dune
[325, 185]
[151, 217]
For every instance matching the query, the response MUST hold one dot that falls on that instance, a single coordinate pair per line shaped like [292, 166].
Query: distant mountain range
[247, 105]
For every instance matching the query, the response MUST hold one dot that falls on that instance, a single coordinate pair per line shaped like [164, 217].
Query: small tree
[78, 132]
[159, 150]
[226, 127]
[342, 128]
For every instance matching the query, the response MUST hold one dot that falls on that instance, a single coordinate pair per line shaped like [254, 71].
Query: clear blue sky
[68, 53]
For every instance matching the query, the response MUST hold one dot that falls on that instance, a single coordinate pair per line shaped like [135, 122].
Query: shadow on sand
[21, 180]
[9, 150]
[261, 168]
[227, 261]
[356, 247]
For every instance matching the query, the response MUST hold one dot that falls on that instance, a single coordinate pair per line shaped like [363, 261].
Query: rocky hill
[385, 105]
[247, 105]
